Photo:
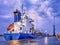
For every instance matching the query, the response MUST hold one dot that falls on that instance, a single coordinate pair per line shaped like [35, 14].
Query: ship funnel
[16, 13]
[17, 16]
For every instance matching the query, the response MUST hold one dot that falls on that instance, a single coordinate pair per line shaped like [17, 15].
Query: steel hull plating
[17, 36]
[13, 36]
[26, 35]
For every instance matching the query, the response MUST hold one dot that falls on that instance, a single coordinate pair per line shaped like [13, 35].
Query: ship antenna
[23, 11]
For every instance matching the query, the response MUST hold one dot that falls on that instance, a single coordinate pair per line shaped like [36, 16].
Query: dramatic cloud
[7, 7]
[6, 16]
[41, 11]
[33, 1]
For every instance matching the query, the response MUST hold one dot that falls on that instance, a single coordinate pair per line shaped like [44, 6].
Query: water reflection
[14, 42]
[39, 41]
[46, 40]
[23, 42]
[31, 42]
[58, 39]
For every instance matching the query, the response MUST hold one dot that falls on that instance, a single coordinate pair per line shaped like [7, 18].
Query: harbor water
[37, 41]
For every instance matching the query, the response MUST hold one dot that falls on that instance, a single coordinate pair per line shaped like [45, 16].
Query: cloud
[33, 1]
[7, 7]
[56, 7]
[34, 11]
[6, 16]
[46, 10]
[32, 14]
[38, 20]
[41, 11]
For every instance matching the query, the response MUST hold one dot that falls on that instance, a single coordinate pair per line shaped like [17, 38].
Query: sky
[41, 11]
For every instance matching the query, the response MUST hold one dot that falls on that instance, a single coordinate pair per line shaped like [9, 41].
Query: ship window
[13, 30]
[20, 28]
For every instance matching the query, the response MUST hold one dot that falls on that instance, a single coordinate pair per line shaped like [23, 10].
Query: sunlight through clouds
[41, 11]
[5, 1]
[6, 16]
[32, 14]
[33, 1]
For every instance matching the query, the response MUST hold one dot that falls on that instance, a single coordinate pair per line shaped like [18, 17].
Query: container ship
[21, 28]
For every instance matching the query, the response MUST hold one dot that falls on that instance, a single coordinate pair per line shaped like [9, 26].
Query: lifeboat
[10, 27]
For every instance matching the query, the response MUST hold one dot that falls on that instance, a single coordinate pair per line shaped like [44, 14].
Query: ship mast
[22, 16]
[23, 12]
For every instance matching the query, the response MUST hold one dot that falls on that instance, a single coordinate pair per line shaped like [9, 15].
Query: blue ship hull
[26, 35]
[13, 36]
[17, 36]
